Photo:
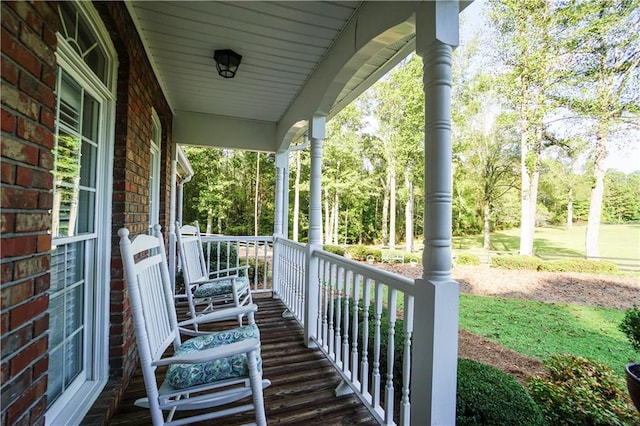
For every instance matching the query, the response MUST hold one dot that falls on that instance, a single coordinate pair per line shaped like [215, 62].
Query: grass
[616, 241]
[539, 329]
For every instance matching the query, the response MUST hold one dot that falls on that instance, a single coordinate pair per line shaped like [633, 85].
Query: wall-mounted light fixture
[227, 62]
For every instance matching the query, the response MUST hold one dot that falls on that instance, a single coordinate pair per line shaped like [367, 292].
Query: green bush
[516, 261]
[488, 396]
[467, 259]
[631, 326]
[361, 252]
[579, 391]
[334, 249]
[578, 265]
[227, 254]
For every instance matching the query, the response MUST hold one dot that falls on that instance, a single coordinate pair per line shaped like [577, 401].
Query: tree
[527, 32]
[603, 38]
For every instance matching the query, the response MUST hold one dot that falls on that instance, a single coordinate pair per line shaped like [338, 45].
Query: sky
[623, 157]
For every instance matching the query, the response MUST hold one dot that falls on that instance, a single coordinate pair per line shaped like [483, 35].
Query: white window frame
[75, 402]
[154, 172]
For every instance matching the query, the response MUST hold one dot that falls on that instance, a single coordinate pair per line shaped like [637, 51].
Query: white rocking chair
[206, 289]
[210, 370]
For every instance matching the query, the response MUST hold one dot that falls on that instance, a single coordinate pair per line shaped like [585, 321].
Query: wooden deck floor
[302, 381]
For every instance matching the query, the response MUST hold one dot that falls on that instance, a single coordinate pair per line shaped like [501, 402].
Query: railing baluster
[364, 373]
[330, 337]
[354, 329]
[377, 315]
[405, 405]
[338, 332]
[389, 390]
[345, 333]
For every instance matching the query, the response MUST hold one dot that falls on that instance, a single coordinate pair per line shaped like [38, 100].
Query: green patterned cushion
[186, 375]
[218, 288]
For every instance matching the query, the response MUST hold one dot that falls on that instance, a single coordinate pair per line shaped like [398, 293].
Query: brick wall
[28, 115]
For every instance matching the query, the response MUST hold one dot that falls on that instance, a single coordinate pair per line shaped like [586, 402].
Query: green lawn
[616, 241]
[540, 329]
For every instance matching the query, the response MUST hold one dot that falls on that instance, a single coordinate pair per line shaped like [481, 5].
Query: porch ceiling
[298, 59]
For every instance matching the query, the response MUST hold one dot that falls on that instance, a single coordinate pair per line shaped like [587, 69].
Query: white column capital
[317, 127]
[437, 21]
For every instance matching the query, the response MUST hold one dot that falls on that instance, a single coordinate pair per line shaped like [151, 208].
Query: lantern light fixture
[227, 62]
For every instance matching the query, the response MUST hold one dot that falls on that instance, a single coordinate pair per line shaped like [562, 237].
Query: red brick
[30, 267]
[27, 355]
[7, 221]
[47, 10]
[8, 122]
[37, 90]
[18, 198]
[17, 293]
[49, 77]
[19, 151]
[39, 47]
[44, 241]
[46, 159]
[18, 246]
[41, 366]
[16, 412]
[9, 72]
[32, 178]
[4, 324]
[47, 118]
[29, 16]
[35, 133]
[19, 54]
[49, 37]
[7, 173]
[6, 272]
[30, 222]
[28, 311]
[45, 200]
[19, 101]
[41, 325]
[9, 21]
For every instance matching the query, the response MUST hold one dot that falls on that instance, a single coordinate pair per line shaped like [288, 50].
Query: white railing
[289, 285]
[358, 311]
[226, 255]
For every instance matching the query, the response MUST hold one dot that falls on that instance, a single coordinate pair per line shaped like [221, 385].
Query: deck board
[302, 381]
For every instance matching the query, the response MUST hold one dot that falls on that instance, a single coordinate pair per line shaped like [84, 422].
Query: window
[81, 225]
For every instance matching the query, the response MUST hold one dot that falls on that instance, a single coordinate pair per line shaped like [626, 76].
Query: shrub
[226, 252]
[488, 396]
[578, 265]
[579, 391]
[516, 261]
[467, 259]
[361, 253]
[334, 249]
[631, 326]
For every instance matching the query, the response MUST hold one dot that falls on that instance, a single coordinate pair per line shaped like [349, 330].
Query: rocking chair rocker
[206, 371]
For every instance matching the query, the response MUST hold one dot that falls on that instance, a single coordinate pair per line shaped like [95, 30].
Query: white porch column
[316, 135]
[435, 346]
[282, 160]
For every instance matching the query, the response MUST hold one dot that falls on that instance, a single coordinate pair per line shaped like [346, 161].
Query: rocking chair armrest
[223, 351]
[221, 314]
[213, 280]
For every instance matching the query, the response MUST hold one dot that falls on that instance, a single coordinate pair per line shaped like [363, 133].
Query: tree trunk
[526, 242]
[327, 218]
[392, 209]
[209, 221]
[336, 218]
[597, 193]
[296, 198]
[408, 214]
[385, 218]
[487, 225]
[570, 209]
[256, 209]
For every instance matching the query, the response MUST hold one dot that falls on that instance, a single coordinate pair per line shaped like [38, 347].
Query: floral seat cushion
[217, 288]
[181, 376]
